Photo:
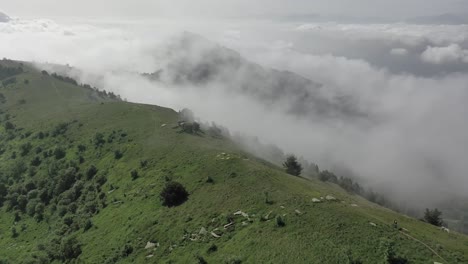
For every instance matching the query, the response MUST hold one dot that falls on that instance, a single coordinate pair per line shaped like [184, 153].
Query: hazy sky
[204, 8]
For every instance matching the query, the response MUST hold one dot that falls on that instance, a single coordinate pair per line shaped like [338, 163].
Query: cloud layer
[409, 134]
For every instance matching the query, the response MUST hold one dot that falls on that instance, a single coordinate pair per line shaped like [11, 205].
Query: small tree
[134, 174]
[292, 166]
[173, 194]
[433, 217]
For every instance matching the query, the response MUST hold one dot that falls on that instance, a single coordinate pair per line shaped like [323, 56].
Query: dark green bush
[173, 194]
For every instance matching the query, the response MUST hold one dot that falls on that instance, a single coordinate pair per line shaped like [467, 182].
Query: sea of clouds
[410, 81]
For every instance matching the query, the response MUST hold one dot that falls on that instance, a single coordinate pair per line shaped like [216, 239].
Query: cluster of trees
[51, 182]
[6, 72]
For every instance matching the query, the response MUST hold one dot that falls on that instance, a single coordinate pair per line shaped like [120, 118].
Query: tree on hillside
[433, 217]
[173, 194]
[292, 166]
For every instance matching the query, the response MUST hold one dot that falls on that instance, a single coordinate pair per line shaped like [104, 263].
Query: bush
[134, 174]
[99, 140]
[433, 217]
[91, 172]
[70, 248]
[292, 166]
[9, 126]
[36, 161]
[173, 194]
[280, 221]
[118, 154]
[59, 153]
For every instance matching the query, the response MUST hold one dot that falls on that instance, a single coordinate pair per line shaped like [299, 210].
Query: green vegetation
[67, 197]
[433, 217]
[292, 166]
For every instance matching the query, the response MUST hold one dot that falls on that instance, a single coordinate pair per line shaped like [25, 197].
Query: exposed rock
[150, 245]
[150, 256]
[215, 235]
[354, 205]
[298, 212]
[372, 224]
[203, 231]
[330, 198]
[229, 225]
[163, 125]
[315, 200]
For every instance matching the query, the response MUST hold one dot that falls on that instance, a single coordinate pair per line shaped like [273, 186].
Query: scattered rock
[437, 262]
[282, 207]
[215, 235]
[150, 245]
[354, 205]
[244, 223]
[321, 198]
[228, 225]
[298, 212]
[372, 224]
[315, 200]
[203, 231]
[242, 213]
[150, 256]
[330, 198]
[163, 125]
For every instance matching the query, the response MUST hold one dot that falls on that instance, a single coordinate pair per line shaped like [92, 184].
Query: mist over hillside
[398, 132]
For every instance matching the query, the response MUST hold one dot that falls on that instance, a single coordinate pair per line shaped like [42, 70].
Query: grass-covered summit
[88, 178]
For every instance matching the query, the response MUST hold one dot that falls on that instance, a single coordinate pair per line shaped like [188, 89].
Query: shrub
[91, 172]
[292, 166]
[173, 194]
[99, 140]
[9, 126]
[87, 225]
[36, 161]
[127, 250]
[70, 248]
[143, 164]
[134, 174]
[60, 129]
[433, 217]
[280, 221]
[59, 153]
[81, 148]
[118, 154]
[14, 233]
[212, 248]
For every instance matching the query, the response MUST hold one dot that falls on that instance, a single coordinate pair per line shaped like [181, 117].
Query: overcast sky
[228, 8]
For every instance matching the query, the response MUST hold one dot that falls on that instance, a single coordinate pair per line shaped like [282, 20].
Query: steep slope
[69, 194]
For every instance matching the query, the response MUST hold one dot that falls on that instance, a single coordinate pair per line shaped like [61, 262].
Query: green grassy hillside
[68, 193]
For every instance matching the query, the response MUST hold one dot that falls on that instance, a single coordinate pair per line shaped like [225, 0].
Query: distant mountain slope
[82, 173]
[221, 67]
[4, 18]
[443, 19]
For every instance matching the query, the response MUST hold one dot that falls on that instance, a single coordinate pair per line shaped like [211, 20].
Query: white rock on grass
[150, 245]
[330, 198]
[315, 200]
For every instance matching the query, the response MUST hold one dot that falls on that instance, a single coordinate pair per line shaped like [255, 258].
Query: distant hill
[83, 171]
[443, 19]
[223, 67]
[4, 18]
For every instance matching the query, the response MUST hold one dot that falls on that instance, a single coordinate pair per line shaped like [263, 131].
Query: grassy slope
[329, 232]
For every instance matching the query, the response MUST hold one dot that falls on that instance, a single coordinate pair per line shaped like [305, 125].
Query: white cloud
[450, 54]
[399, 51]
